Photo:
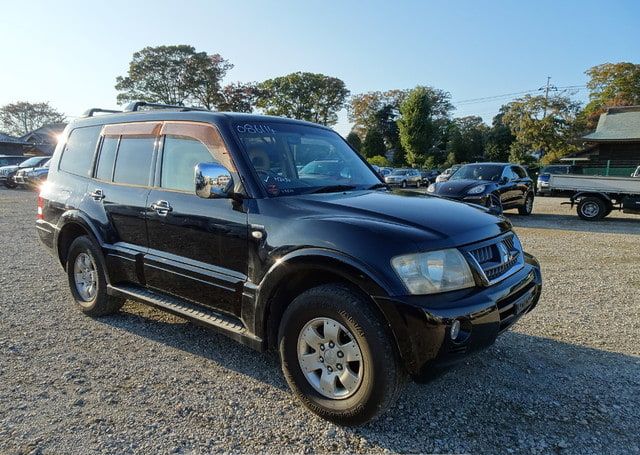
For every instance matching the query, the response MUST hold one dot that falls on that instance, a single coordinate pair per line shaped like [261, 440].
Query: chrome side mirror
[213, 180]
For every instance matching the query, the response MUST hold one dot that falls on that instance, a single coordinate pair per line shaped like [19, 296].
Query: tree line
[416, 125]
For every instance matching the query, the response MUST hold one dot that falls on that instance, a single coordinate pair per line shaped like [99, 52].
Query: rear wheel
[337, 356]
[527, 208]
[404, 184]
[592, 208]
[87, 279]
[418, 184]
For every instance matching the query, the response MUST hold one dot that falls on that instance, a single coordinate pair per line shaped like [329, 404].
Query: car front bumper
[422, 324]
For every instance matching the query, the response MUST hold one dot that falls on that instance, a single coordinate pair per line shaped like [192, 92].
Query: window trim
[94, 174]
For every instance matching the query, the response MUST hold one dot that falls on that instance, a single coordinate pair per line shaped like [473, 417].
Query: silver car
[404, 178]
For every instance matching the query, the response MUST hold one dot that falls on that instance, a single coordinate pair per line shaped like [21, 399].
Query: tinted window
[179, 159]
[491, 172]
[77, 156]
[133, 162]
[521, 173]
[107, 158]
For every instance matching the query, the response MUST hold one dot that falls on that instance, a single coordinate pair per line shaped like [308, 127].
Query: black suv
[497, 186]
[207, 216]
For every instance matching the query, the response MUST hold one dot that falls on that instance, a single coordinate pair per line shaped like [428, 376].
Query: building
[614, 147]
[10, 145]
[41, 141]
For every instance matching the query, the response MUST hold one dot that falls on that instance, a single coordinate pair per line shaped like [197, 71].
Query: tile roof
[617, 124]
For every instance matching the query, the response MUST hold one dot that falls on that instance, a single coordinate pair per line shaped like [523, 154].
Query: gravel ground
[566, 379]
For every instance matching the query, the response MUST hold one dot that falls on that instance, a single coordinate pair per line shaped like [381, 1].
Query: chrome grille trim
[497, 258]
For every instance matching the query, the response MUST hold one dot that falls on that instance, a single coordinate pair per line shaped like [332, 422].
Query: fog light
[455, 329]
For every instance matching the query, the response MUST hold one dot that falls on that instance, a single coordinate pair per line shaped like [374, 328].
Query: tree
[498, 139]
[611, 84]
[306, 96]
[467, 138]
[377, 110]
[553, 136]
[174, 75]
[421, 123]
[238, 97]
[378, 160]
[373, 144]
[354, 140]
[21, 117]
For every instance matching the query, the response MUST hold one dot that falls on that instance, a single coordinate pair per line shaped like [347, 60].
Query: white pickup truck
[596, 196]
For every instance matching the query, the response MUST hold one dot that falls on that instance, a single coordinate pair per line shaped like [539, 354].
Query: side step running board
[227, 325]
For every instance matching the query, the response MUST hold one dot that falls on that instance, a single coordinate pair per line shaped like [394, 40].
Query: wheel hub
[85, 276]
[330, 358]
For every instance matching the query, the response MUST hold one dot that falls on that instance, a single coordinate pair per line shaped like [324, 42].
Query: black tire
[382, 374]
[495, 203]
[592, 208]
[10, 183]
[403, 184]
[527, 208]
[418, 184]
[101, 304]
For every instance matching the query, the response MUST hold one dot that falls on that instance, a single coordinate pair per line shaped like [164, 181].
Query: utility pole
[546, 95]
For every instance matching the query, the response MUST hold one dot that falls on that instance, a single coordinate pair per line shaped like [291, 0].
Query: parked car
[429, 176]
[7, 173]
[542, 186]
[10, 160]
[353, 285]
[404, 178]
[498, 186]
[32, 177]
[447, 173]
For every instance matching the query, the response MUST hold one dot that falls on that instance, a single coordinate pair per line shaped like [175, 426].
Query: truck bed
[612, 185]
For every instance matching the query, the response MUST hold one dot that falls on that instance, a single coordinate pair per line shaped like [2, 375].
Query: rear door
[523, 183]
[122, 180]
[509, 189]
[198, 247]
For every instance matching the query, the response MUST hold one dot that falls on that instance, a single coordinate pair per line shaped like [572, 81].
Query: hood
[456, 188]
[422, 217]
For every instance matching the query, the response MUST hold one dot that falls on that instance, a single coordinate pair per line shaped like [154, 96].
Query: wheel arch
[72, 225]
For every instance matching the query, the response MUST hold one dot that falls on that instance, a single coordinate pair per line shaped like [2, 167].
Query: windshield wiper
[378, 186]
[332, 189]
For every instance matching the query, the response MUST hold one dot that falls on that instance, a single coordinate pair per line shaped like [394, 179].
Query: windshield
[31, 162]
[297, 159]
[478, 172]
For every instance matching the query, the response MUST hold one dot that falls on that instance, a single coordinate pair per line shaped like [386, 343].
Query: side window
[133, 161]
[107, 158]
[77, 156]
[508, 173]
[179, 158]
[520, 173]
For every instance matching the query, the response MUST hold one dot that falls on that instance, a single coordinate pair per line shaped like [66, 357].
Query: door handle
[162, 208]
[97, 195]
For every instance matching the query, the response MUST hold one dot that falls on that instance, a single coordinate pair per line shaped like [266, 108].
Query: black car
[206, 215]
[497, 186]
[429, 176]
[7, 173]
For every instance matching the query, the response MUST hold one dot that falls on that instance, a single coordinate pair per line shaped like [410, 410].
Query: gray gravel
[565, 380]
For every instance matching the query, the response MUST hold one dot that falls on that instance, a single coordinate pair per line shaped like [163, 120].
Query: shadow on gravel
[524, 393]
[573, 223]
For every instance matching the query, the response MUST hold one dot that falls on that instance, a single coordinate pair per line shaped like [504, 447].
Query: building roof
[617, 124]
[5, 138]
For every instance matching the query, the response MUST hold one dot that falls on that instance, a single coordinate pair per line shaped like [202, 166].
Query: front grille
[497, 258]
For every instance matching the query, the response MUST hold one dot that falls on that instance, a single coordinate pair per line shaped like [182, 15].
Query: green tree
[306, 96]
[378, 160]
[467, 138]
[379, 110]
[498, 139]
[238, 97]
[421, 122]
[174, 75]
[354, 140]
[373, 144]
[553, 136]
[21, 117]
[611, 84]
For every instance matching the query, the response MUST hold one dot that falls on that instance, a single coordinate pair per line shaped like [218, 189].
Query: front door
[197, 247]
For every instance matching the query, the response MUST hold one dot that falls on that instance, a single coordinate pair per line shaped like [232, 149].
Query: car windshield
[296, 159]
[489, 172]
[31, 162]
[399, 172]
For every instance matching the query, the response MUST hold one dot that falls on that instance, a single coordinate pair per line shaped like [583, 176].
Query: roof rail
[136, 105]
[93, 110]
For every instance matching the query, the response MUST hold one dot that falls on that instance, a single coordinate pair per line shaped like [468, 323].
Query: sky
[69, 53]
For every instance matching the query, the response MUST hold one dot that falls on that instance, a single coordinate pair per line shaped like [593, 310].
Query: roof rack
[93, 110]
[136, 105]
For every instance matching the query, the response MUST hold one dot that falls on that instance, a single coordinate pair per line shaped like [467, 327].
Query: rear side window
[521, 173]
[133, 161]
[179, 158]
[77, 156]
[107, 158]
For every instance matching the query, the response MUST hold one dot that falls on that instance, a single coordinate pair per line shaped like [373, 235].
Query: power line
[492, 98]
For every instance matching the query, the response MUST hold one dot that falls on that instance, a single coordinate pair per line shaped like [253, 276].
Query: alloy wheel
[85, 276]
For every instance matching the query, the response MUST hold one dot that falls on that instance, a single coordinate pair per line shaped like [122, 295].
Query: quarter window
[133, 161]
[179, 158]
[107, 158]
[78, 153]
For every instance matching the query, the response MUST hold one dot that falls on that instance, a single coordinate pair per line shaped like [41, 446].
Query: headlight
[477, 189]
[435, 271]
[431, 188]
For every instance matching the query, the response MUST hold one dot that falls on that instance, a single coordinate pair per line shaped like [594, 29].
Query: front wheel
[10, 183]
[527, 208]
[337, 356]
[404, 184]
[418, 184]
[592, 209]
